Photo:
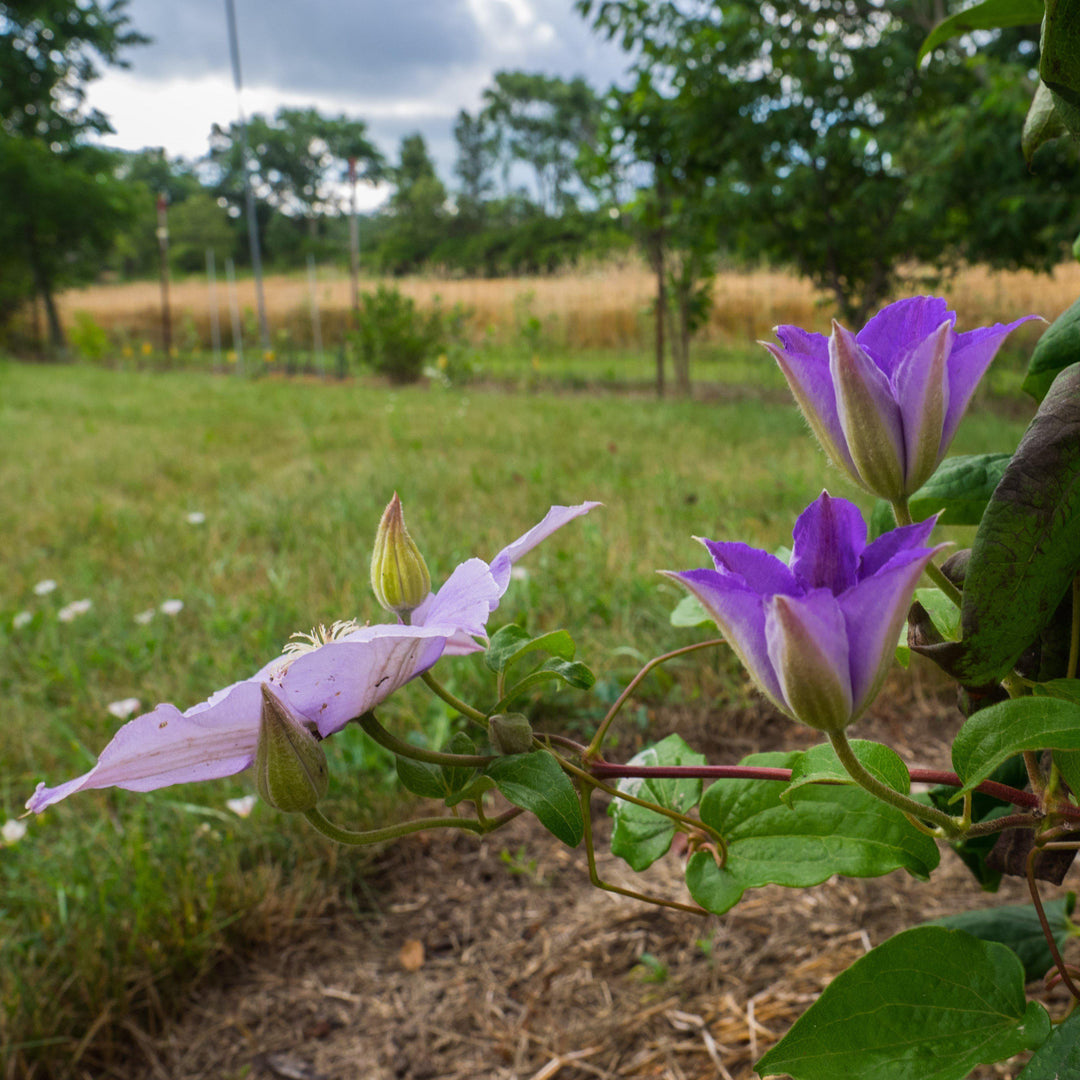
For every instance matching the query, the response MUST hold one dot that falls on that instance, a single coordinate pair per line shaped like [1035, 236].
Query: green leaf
[944, 614]
[1059, 1057]
[1066, 689]
[1027, 549]
[1059, 59]
[537, 783]
[928, 1004]
[882, 519]
[997, 732]
[821, 763]
[510, 643]
[641, 836]
[439, 781]
[1042, 124]
[961, 488]
[989, 15]
[573, 673]
[828, 830]
[1057, 349]
[690, 612]
[1017, 926]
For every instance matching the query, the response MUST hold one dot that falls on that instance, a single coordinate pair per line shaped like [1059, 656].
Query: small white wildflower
[21, 619]
[12, 831]
[124, 708]
[172, 607]
[196, 517]
[242, 807]
[43, 588]
[144, 617]
[77, 607]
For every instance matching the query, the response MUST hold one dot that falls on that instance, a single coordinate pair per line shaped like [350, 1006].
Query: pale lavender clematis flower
[341, 674]
[886, 402]
[816, 636]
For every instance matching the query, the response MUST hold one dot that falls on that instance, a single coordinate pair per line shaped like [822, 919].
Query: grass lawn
[114, 899]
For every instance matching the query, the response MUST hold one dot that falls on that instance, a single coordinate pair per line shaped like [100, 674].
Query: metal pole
[316, 323]
[215, 325]
[253, 227]
[234, 312]
[354, 243]
[163, 255]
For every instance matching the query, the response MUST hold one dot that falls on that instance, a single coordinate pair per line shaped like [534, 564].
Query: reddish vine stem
[1036, 899]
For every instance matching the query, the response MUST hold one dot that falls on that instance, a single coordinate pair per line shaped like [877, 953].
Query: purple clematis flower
[885, 403]
[336, 675]
[816, 636]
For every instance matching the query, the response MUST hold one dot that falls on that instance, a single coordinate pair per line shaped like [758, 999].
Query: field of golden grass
[605, 307]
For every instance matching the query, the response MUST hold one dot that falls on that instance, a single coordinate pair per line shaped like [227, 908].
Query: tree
[810, 112]
[60, 203]
[478, 153]
[416, 215]
[544, 122]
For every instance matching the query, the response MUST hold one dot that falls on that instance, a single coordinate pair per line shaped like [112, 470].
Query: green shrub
[394, 337]
[89, 340]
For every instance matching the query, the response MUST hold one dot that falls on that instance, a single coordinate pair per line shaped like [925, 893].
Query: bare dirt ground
[495, 958]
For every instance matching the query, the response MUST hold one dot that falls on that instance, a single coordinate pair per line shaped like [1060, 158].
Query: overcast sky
[399, 65]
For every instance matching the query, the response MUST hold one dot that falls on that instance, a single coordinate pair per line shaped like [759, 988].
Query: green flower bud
[399, 575]
[510, 733]
[290, 766]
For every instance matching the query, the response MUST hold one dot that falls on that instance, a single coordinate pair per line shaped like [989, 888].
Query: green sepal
[928, 1004]
[536, 783]
[642, 836]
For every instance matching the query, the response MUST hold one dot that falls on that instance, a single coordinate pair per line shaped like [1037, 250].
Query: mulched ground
[495, 958]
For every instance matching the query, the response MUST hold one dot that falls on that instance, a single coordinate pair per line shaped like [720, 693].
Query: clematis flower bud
[816, 636]
[886, 402]
[290, 765]
[399, 575]
[510, 733]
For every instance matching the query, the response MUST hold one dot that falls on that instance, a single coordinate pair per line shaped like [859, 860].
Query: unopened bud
[510, 733]
[399, 575]
[290, 765]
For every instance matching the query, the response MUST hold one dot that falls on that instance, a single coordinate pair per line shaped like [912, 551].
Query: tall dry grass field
[605, 307]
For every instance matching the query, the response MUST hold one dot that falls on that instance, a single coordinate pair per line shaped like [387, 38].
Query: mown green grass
[114, 900]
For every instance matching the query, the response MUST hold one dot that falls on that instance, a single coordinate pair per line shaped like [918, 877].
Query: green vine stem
[1036, 899]
[902, 515]
[418, 753]
[439, 690]
[601, 732]
[390, 832]
[859, 773]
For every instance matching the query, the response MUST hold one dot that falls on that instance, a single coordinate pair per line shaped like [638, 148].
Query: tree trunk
[44, 290]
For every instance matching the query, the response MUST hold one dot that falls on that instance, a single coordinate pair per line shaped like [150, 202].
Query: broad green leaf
[961, 488]
[1042, 124]
[1059, 60]
[537, 783]
[438, 781]
[572, 672]
[641, 836]
[690, 612]
[510, 643]
[944, 614]
[882, 519]
[996, 733]
[828, 830]
[1027, 549]
[928, 1004]
[821, 763]
[1067, 761]
[1017, 926]
[1059, 1057]
[989, 15]
[1066, 689]
[1058, 348]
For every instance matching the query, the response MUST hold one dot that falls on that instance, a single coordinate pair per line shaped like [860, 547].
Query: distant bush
[87, 338]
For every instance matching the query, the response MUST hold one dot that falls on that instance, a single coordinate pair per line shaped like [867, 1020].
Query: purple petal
[739, 612]
[808, 649]
[828, 539]
[869, 416]
[464, 602]
[874, 611]
[340, 680]
[895, 330]
[804, 360]
[921, 387]
[971, 356]
[764, 573]
[166, 747]
[555, 519]
[907, 538]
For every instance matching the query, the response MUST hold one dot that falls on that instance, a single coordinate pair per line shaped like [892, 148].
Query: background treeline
[806, 136]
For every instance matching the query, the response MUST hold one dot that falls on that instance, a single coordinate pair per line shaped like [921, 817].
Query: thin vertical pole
[234, 312]
[215, 325]
[249, 193]
[163, 257]
[354, 242]
[316, 322]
